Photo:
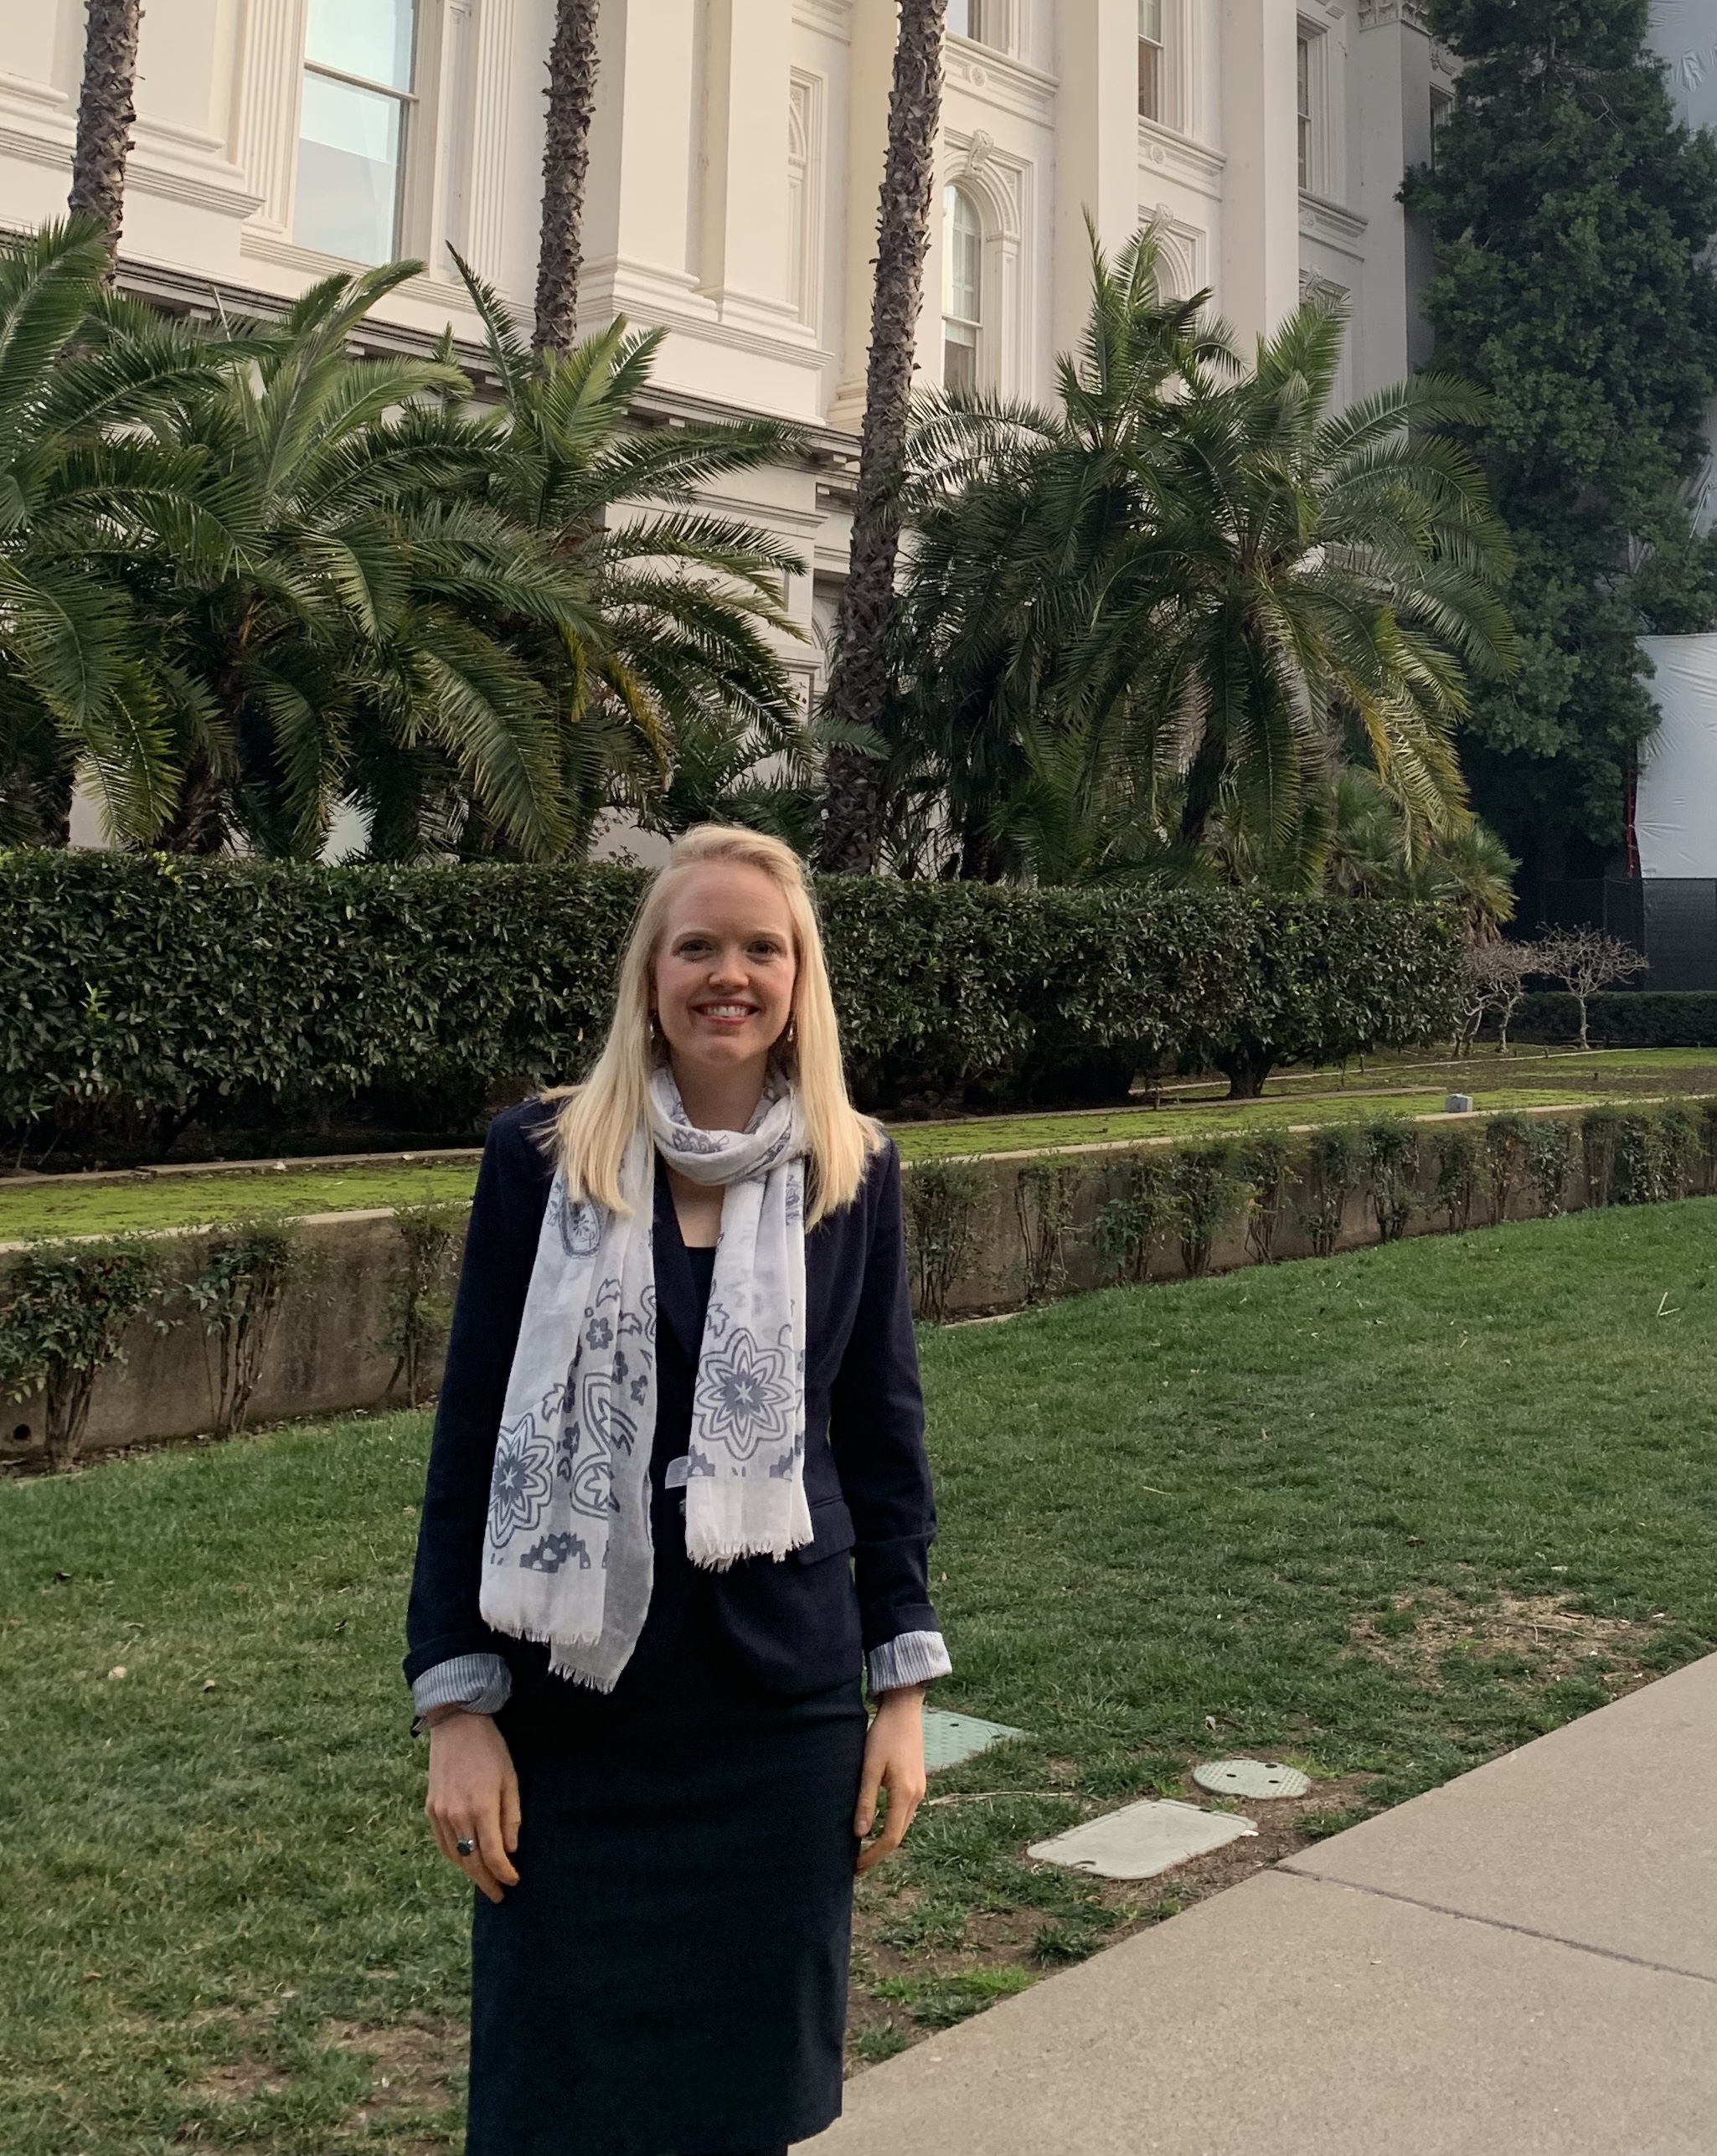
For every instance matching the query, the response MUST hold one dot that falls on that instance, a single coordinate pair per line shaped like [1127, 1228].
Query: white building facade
[737, 156]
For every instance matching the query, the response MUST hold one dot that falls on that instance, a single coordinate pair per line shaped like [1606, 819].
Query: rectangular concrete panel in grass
[1142, 1839]
[950, 1738]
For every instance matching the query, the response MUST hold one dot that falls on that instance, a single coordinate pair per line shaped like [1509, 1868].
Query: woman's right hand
[473, 1796]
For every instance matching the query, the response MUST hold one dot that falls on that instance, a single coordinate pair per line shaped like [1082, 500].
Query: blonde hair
[597, 1120]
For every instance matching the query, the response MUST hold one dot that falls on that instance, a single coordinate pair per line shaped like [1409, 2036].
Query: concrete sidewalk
[1523, 1962]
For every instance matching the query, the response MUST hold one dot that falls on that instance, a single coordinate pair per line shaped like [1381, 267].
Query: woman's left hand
[894, 1763]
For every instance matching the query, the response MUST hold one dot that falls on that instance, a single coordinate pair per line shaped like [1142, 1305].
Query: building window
[354, 114]
[982, 21]
[804, 193]
[963, 289]
[1303, 106]
[1151, 62]
[1441, 105]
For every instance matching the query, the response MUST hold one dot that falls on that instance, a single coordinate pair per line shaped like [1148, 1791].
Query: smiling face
[726, 969]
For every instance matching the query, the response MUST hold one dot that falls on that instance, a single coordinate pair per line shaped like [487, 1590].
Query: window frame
[1310, 144]
[955, 195]
[409, 102]
[1157, 46]
[986, 25]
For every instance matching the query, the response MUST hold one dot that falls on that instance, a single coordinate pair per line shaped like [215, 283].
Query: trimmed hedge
[143, 991]
[1642, 1018]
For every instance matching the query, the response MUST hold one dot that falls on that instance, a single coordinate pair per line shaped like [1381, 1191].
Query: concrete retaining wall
[325, 1354]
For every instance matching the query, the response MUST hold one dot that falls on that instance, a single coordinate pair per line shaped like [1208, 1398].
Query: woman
[677, 1496]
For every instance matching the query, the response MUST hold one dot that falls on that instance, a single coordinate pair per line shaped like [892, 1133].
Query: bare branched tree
[1496, 974]
[1584, 960]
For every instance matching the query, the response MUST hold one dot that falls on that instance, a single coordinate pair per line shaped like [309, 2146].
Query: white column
[640, 198]
[748, 67]
[870, 68]
[1261, 195]
[1096, 148]
[487, 52]
[266, 129]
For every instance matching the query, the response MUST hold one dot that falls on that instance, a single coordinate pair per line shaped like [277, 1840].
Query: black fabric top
[797, 1626]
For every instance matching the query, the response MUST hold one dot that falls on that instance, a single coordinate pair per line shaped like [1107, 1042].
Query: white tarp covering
[1675, 810]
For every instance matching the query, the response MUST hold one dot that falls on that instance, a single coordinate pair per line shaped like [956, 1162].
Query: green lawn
[78, 1208]
[1398, 1085]
[1300, 1510]
[182, 1201]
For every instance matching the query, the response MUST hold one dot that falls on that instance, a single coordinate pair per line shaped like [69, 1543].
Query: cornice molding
[1164, 154]
[834, 18]
[1331, 224]
[980, 71]
[1381, 14]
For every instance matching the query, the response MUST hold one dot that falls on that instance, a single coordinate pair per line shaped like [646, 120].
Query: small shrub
[63, 1320]
[1209, 1191]
[1637, 1176]
[1044, 1198]
[238, 1295]
[1391, 1162]
[1266, 1165]
[1457, 1174]
[943, 1201]
[1504, 1167]
[1597, 1147]
[1678, 1135]
[1707, 1141]
[419, 1298]
[1331, 1168]
[1549, 1155]
[1129, 1226]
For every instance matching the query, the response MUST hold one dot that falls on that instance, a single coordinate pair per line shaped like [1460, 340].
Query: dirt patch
[1001, 1951]
[414, 2066]
[239, 2083]
[1537, 1638]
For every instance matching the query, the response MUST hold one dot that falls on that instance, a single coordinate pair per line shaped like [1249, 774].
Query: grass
[1205, 1119]
[1386, 1515]
[1525, 1078]
[182, 1201]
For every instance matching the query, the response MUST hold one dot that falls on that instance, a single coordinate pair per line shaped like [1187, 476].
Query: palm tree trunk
[858, 681]
[106, 115]
[566, 159]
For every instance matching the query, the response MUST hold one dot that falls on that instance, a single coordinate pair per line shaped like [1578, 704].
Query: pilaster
[1261, 206]
[1096, 148]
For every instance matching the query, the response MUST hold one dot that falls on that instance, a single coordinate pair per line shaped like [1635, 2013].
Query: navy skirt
[669, 1978]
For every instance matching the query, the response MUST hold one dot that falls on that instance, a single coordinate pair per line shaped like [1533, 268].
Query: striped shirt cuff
[480, 1684]
[913, 1658]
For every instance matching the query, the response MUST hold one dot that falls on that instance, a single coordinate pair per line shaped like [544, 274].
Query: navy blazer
[798, 1625]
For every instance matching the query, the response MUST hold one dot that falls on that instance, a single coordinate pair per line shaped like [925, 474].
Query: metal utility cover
[1140, 1840]
[950, 1738]
[1251, 1777]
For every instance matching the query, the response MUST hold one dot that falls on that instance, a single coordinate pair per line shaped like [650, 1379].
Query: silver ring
[466, 1847]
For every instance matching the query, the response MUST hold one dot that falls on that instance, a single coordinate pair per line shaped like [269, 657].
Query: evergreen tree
[1570, 211]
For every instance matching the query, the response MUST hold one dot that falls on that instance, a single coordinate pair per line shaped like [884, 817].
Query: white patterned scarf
[568, 1557]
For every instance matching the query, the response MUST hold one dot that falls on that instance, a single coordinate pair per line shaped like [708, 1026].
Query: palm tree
[660, 662]
[106, 114]
[566, 159]
[858, 682]
[345, 602]
[87, 492]
[1194, 563]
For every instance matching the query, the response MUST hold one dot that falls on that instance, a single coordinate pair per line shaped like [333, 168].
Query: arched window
[963, 289]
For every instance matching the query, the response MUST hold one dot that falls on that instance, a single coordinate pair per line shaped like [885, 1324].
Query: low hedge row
[142, 992]
[1642, 1017]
